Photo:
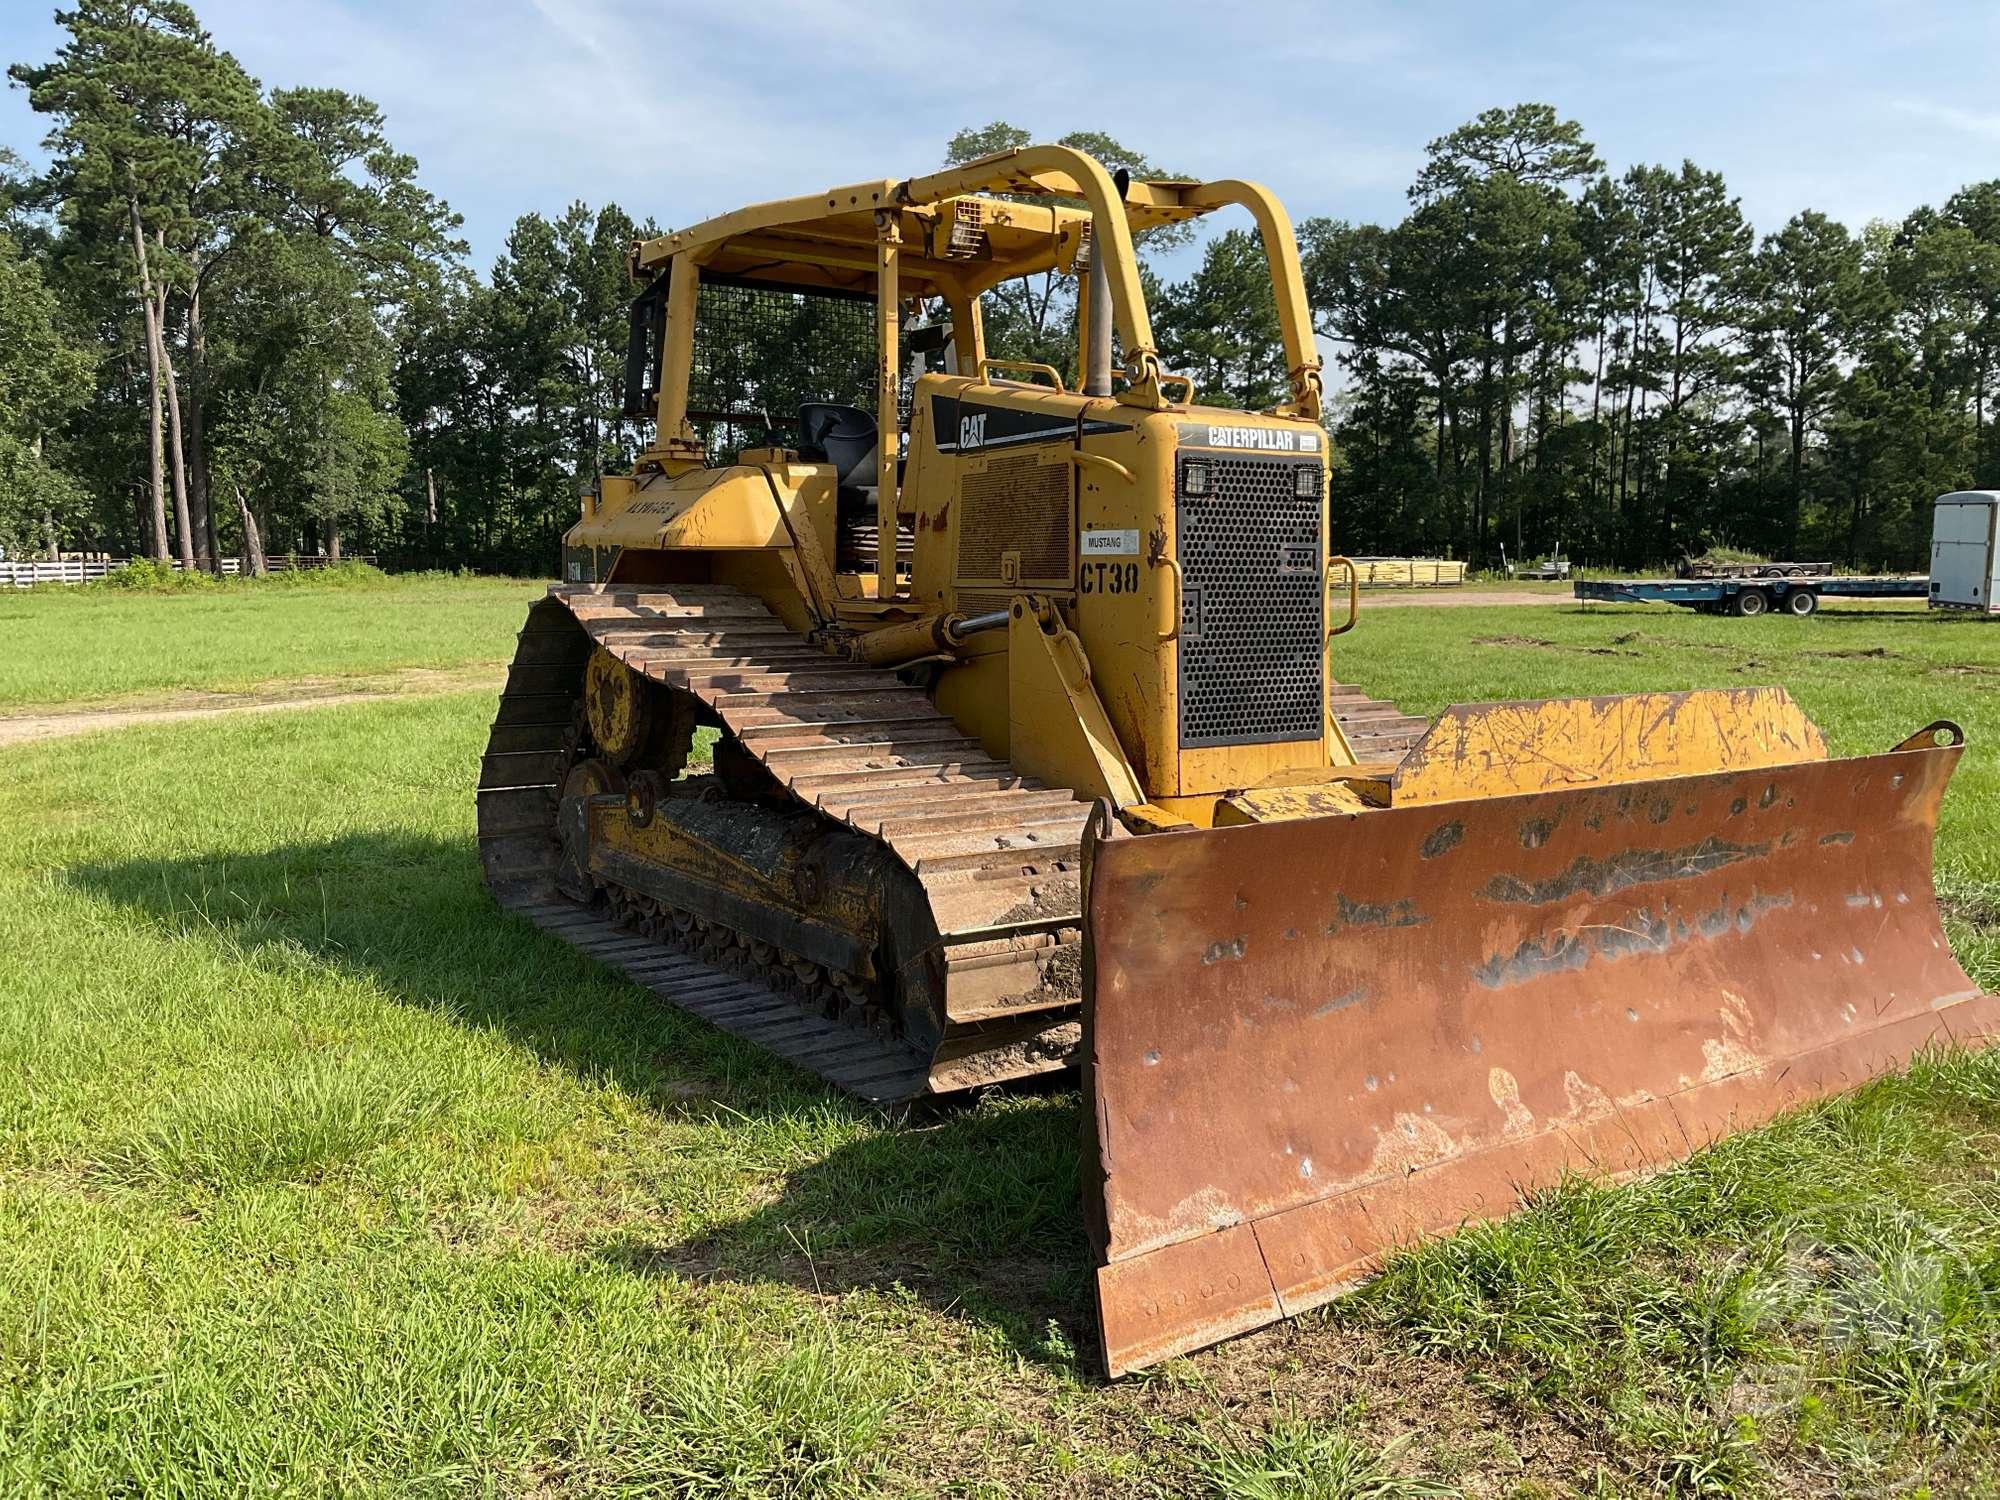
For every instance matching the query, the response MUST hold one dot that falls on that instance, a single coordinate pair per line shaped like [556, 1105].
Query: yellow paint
[1150, 817]
[974, 693]
[888, 392]
[1499, 749]
[614, 700]
[1098, 709]
[1057, 728]
[1282, 804]
[699, 510]
[1196, 812]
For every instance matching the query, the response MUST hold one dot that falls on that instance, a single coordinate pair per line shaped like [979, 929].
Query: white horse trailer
[1965, 563]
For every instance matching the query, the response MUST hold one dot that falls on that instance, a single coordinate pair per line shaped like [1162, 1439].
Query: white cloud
[1971, 121]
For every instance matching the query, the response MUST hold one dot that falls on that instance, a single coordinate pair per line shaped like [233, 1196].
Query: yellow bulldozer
[1029, 754]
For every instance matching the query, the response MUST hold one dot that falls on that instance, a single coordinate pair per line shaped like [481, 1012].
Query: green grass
[71, 645]
[318, 1175]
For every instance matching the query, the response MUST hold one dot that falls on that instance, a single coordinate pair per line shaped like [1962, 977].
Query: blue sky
[683, 108]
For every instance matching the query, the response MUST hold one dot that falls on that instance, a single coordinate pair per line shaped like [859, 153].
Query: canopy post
[888, 397]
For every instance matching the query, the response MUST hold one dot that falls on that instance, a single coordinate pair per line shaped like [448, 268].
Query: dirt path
[271, 697]
[1412, 598]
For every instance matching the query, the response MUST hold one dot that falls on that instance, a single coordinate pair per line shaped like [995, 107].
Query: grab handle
[1353, 593]
[1055, 375]
[1173, 564]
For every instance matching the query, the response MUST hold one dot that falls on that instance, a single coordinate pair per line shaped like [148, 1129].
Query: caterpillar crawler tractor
[1029, 753]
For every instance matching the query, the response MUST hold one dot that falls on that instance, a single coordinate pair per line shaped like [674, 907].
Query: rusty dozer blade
[1310, 1042]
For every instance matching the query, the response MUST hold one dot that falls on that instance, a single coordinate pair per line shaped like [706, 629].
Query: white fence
[22, 575]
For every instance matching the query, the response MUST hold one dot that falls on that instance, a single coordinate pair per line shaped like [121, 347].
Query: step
[871, 755]
[694, 658]
[877, 800]
[715, 681]
[1039, 858]
[1052, 828]
[820, 708]
[769, 738]
[644, 632]
[950, 811]
[980, 769]
[882, 688]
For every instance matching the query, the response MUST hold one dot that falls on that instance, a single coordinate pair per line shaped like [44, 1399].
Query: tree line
[233, 320]
[1541, 353]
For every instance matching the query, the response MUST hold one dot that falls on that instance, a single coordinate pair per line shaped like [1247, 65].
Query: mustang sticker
[1109, 544]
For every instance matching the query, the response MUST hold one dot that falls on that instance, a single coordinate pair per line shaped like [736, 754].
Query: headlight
[1194, 479]
[1305, 483]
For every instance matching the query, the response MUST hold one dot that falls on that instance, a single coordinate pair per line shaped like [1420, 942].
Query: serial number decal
[1259, 439]
[1108, 578]
[1109, 544]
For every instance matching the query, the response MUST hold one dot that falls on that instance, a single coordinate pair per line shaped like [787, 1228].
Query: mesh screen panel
[1021, 503]
[769, 349]
[1251, 655]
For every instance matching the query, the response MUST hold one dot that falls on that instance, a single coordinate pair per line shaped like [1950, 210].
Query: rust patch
[1342, 1002]
[1228, 952]
[1536, 832]
[1586, 876]
[1401, 913]
[1642, 932]
[1444, 838]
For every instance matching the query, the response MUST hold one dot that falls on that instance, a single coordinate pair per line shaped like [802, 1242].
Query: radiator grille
[1251, 652]
[1020, 503]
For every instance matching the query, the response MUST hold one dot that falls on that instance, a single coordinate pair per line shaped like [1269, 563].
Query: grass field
[70, 645]
[320, 1176]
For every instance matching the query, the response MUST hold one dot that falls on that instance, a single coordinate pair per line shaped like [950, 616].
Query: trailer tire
[1750, 602]
[1802, 602]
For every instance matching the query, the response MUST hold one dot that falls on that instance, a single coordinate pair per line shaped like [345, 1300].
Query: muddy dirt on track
[273, 697]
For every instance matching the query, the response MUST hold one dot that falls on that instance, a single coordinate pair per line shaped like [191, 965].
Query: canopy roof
[968, 240]
[957, 232]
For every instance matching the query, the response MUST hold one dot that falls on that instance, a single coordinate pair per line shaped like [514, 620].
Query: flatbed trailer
[1747, 596]
[1701, 567]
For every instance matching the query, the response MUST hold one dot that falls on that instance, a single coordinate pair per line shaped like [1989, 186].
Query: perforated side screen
[1021, 503]
[1251, 653]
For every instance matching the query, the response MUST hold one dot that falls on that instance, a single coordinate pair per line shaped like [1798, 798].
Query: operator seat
[845, 437]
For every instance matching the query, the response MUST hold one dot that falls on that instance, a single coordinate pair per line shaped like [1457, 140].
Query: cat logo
[971, 431]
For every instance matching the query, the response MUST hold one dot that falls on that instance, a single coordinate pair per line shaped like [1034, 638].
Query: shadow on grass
[974, 1212]
[971, 1207]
